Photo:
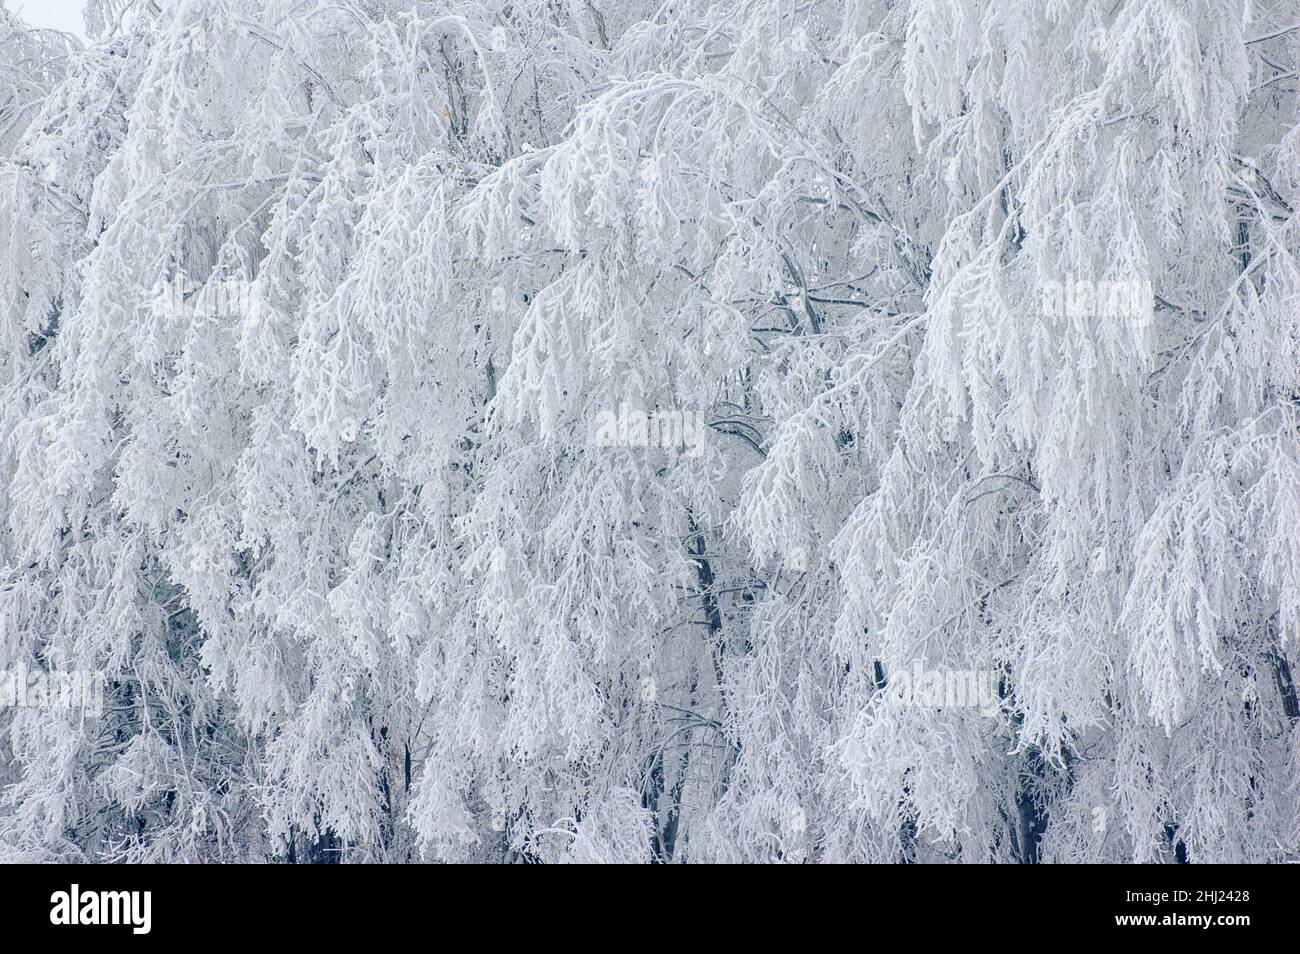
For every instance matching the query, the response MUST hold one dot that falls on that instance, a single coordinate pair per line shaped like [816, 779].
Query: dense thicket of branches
[308, 311]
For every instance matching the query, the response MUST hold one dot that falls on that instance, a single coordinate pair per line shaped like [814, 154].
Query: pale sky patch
[51, 14]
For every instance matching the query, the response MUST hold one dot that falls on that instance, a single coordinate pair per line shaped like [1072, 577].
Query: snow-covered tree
[608, 431]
